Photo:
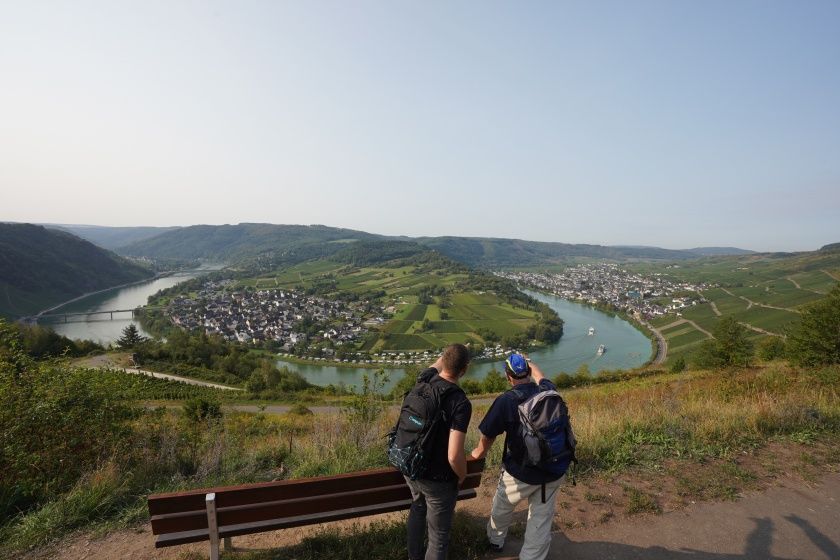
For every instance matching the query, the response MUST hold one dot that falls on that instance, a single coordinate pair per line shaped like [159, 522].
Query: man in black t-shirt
[518, 481]
[435, 493]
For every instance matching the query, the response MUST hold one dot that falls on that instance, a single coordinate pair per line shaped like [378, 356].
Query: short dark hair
[456, 359]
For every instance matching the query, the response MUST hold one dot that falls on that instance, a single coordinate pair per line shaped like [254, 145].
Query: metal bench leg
[212, 525]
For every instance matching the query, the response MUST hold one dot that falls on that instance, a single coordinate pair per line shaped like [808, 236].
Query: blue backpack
[545, 428]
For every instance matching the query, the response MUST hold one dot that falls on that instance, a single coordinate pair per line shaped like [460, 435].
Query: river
[101, 328]
[626, 347]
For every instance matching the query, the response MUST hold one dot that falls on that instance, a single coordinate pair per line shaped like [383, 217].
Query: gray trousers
[432, 509]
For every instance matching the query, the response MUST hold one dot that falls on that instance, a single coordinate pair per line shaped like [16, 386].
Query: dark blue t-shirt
[503, 417]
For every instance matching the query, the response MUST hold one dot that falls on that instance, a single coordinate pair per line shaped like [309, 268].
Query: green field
[457, 319]
[764, 279]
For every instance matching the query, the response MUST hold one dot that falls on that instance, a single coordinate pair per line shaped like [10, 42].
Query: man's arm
[536, 373]
[456, 456]
[484, 445]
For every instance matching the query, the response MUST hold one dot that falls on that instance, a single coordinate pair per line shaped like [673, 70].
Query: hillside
[763, 291]
[276, 245]
[272, 244]
[40, 268]
[401, 296]
[111, 237]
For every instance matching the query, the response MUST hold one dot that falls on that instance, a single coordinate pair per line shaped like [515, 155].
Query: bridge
[81, 316]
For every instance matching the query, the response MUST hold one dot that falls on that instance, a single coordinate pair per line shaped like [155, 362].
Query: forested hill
[41, 267]
[290, 244]
[488, 252]
[111, 237]
[277, 244]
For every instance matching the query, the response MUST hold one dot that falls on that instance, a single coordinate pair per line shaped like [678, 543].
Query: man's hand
[484, 445]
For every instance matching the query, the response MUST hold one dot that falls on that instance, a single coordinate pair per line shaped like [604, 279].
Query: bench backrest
[295, 500]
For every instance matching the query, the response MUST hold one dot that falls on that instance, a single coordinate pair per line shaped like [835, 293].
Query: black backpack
[410, 442]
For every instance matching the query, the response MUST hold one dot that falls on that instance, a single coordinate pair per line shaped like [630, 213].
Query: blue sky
[675, 124]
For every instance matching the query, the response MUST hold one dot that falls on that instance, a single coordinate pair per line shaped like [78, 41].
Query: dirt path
[795, 283]
[115, 363]
[762, 331]
[832, 275]
[757, 304]
[715, 309]
[796, 521]
[683, 321]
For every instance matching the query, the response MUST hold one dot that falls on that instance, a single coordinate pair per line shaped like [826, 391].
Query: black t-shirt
[503, 417]
[458, 410]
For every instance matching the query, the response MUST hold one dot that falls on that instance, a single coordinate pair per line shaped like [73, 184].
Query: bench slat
[227, 496]
[184, 537]
[278, 509]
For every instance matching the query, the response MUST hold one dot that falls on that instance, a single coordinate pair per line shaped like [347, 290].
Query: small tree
[816, 338]
[771, 348]
[678, 365]
[730, 346]
[130, 338]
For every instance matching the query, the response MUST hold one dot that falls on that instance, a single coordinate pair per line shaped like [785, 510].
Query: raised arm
[536, 373]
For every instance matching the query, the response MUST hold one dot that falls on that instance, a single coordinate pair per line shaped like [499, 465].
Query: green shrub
[495, 382]
[815, 339]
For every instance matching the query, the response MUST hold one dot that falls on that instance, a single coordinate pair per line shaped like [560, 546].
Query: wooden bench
[216, 514]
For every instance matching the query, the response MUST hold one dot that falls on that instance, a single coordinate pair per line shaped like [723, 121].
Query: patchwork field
[764, 292]
[460, 316]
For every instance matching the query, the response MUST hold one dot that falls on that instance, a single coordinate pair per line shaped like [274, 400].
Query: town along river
[101, 328]
[626, 348]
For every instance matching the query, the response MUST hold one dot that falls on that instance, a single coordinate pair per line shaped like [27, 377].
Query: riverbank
[104, 290]
[659, 347]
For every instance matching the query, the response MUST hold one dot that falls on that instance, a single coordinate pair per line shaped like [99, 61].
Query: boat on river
[591, 331]
[601, 349]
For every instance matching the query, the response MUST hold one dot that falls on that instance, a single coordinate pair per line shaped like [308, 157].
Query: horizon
[619, 245]
[657, 124]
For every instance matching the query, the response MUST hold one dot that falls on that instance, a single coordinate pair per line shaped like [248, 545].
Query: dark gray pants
[432, 509]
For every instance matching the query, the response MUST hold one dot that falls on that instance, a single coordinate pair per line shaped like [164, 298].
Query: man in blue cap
[518, 480]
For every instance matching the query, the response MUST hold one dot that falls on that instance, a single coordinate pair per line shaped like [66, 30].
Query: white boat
[591, 331]
[601, 349]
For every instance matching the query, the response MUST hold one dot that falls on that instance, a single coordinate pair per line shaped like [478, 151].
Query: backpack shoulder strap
[520, 396]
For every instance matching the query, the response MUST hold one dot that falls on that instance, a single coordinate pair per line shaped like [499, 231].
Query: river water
[101, 328]
[626, 347]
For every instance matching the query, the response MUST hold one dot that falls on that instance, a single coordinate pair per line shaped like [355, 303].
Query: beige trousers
[510, 492]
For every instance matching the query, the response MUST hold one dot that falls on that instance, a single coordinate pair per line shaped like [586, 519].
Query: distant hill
[274, 244]
[491, 252]
[830, 248]
[719, 251]
[41, 267]
[290, 244]
[111, 237]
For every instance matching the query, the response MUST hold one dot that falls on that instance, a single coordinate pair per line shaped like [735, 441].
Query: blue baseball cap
[517, 366]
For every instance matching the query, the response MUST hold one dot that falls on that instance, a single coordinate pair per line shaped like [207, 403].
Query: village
[611, 285]
[284, 317]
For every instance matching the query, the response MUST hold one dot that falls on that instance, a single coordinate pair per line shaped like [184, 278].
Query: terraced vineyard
[763, 292]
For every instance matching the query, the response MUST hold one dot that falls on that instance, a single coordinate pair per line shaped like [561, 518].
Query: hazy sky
[670, 123]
